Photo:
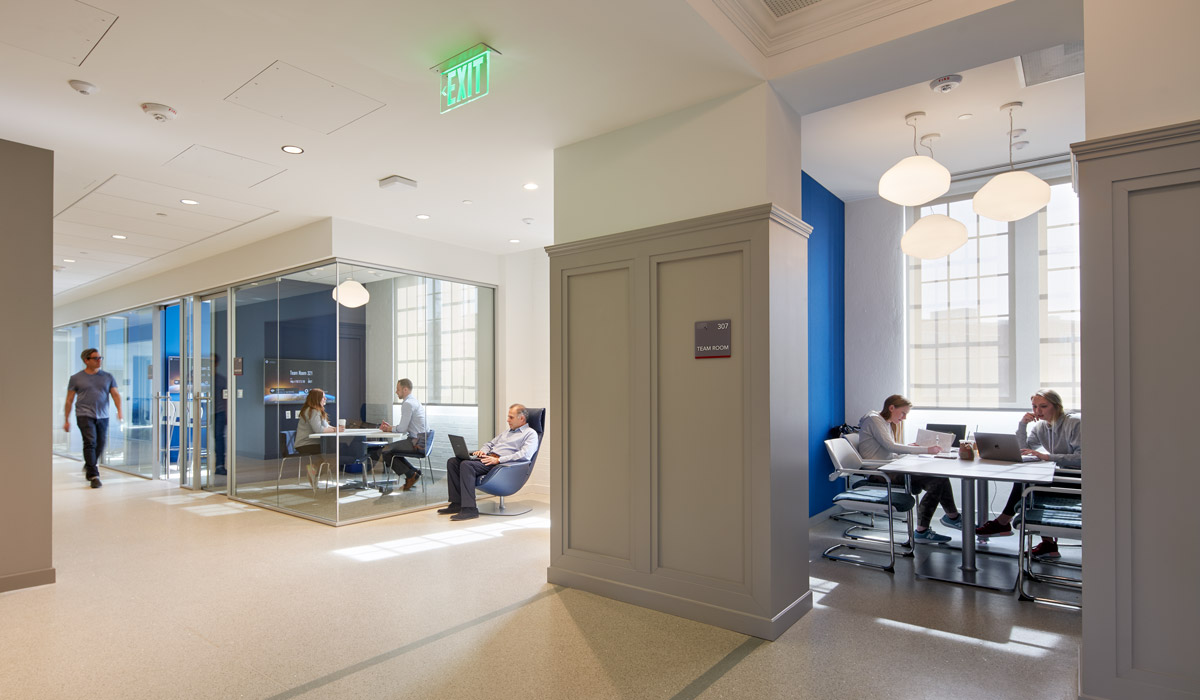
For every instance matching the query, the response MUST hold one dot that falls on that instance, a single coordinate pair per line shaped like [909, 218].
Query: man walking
[91, 387]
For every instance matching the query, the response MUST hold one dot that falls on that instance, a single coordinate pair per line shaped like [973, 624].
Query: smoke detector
[946, 83]
[159, 112]
[83, 87]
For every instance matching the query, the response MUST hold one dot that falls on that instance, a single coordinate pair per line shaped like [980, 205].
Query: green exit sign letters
[467, 80]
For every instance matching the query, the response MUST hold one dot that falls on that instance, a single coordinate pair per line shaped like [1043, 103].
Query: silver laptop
[1002, 447]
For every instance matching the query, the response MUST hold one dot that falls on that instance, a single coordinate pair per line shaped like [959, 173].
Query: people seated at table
[880, 437]
[1050, 434]
[516, 444]
[312, 422]
[412, 422]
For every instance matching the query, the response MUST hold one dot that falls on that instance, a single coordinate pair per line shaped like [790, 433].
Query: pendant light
[933, 236]
[916, 179]
[1014, 194]
[351, 293]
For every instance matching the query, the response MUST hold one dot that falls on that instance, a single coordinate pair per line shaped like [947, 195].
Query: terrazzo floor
[166, 593]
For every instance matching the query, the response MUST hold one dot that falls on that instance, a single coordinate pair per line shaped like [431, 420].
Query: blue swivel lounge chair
[508, 478]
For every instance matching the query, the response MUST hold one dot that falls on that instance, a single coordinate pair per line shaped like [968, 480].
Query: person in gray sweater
[1050, 434]
[880, 435]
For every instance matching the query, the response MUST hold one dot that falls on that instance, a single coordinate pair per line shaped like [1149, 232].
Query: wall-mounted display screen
[288, 381]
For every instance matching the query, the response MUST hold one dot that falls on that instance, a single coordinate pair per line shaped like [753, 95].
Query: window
[999, 317]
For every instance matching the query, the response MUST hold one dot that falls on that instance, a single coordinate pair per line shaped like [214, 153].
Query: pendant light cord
[1010, 139]
[913, 124]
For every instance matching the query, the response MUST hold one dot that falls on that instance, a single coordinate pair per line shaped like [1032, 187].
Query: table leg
[981, 501]
[943, 564]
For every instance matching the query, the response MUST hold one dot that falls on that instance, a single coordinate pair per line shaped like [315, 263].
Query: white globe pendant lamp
[351, 294]
[933, 236]
[916, 179]
[1012, 195]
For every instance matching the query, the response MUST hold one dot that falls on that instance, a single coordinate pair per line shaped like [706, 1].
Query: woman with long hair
[313, 421]
[881, 436]
[1050, 434]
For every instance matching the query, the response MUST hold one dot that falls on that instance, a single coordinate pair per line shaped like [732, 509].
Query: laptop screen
[960, 431]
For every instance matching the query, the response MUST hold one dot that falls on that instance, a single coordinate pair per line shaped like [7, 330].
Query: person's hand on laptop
[1040, 455]
[490, 460]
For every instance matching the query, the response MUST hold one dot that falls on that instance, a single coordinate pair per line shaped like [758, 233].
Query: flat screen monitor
[288, 381]
[960, 431]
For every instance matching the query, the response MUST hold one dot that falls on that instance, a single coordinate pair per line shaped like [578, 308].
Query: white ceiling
[244, 78]
[847, 148]
[564, 75]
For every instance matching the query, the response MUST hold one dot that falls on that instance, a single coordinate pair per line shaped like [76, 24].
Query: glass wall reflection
[354, 332]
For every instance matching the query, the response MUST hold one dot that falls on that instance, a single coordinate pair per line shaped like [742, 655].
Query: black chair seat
[1053, 518]
[1055, 501]
[877, 495]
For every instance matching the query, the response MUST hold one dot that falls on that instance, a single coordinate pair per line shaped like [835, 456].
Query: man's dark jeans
[95, 435]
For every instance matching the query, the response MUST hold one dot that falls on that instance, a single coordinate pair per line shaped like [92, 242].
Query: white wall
[380, 246]
[721, 155]
[874, 305]
[1144, 78]
[286, 250]
[26, 517]
[523, 344]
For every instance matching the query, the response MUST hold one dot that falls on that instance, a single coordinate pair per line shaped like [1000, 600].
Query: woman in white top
[1060, 438]
[313, 421]
[880, 435]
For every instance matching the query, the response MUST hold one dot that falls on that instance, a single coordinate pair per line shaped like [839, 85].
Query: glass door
[211, 340]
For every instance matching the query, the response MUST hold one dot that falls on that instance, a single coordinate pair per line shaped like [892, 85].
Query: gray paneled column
[681, 484]
[34, 405]
[1139, 198]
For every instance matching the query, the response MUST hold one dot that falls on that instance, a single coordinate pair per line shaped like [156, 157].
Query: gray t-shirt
[91, 393]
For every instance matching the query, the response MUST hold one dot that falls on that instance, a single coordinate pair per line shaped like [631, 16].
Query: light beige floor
[164, 593]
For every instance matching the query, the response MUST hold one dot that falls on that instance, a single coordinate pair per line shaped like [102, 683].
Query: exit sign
[467, 80]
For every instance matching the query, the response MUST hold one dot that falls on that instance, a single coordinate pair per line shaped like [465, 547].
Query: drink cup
[341, 422]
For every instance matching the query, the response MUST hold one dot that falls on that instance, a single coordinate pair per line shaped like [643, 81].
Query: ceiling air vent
[1054, 63]
[779, 8]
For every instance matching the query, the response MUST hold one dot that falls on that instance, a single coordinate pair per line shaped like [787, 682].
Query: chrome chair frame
[1027, 530]
[906, 549]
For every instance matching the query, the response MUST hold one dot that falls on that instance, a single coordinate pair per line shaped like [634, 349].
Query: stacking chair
[868, 497]
[1050, 511]
[508, 478]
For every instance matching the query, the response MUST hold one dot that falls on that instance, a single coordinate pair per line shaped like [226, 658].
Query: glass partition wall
[353, 331]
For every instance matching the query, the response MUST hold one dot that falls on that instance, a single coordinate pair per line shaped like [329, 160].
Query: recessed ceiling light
[965, 117]
[294, 150]
[188, 201]
[119, 237]
[531, 185]
[467, 201]
[68, 260]
[422, 217]
[514, 240]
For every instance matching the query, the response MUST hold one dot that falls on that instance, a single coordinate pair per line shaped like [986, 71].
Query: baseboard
[745, 623]
[27, 579]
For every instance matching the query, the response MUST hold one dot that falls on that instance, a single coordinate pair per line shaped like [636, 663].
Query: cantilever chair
[852, 480]
[868, 497]
[1051, 511]
[508, 478]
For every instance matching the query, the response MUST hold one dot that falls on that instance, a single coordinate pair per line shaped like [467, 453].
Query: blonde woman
[880, 437]
[1049, 434]
[313, 422]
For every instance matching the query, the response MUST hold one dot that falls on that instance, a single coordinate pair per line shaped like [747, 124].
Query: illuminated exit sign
[467, 79]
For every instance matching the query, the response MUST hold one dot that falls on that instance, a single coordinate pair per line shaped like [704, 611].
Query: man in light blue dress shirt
[517, 444]
[412, 422]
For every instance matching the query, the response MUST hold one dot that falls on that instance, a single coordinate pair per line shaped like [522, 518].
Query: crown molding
[773, 36]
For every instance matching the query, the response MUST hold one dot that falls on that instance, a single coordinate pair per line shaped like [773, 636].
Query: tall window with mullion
[999, 317]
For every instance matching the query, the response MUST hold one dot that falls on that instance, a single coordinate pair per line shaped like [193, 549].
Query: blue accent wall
[826, 333]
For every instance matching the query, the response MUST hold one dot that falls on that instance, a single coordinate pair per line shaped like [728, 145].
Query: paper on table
[928, 438]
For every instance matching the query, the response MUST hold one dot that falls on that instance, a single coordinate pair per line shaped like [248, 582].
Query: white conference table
[940, 565]
[371, 433]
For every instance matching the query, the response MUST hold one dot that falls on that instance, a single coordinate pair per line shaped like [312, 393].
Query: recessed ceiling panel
[86, 253]
[297, 96]
[168, 198]
[64, 30]
[132, 208]
[141, 246]
[209, 162]
[116, 223]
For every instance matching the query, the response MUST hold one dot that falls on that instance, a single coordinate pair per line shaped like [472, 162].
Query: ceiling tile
[64, 30]
[168, 198]
[297, 96]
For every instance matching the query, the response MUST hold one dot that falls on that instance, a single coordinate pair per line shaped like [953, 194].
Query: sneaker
[96, 484]
[1046, 549]
[952, 523]
[993, 528]
[928, 536]
[450, 509]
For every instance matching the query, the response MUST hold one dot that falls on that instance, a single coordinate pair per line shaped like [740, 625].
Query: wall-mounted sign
[713, 339]
[467, 78]
[237, 366]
